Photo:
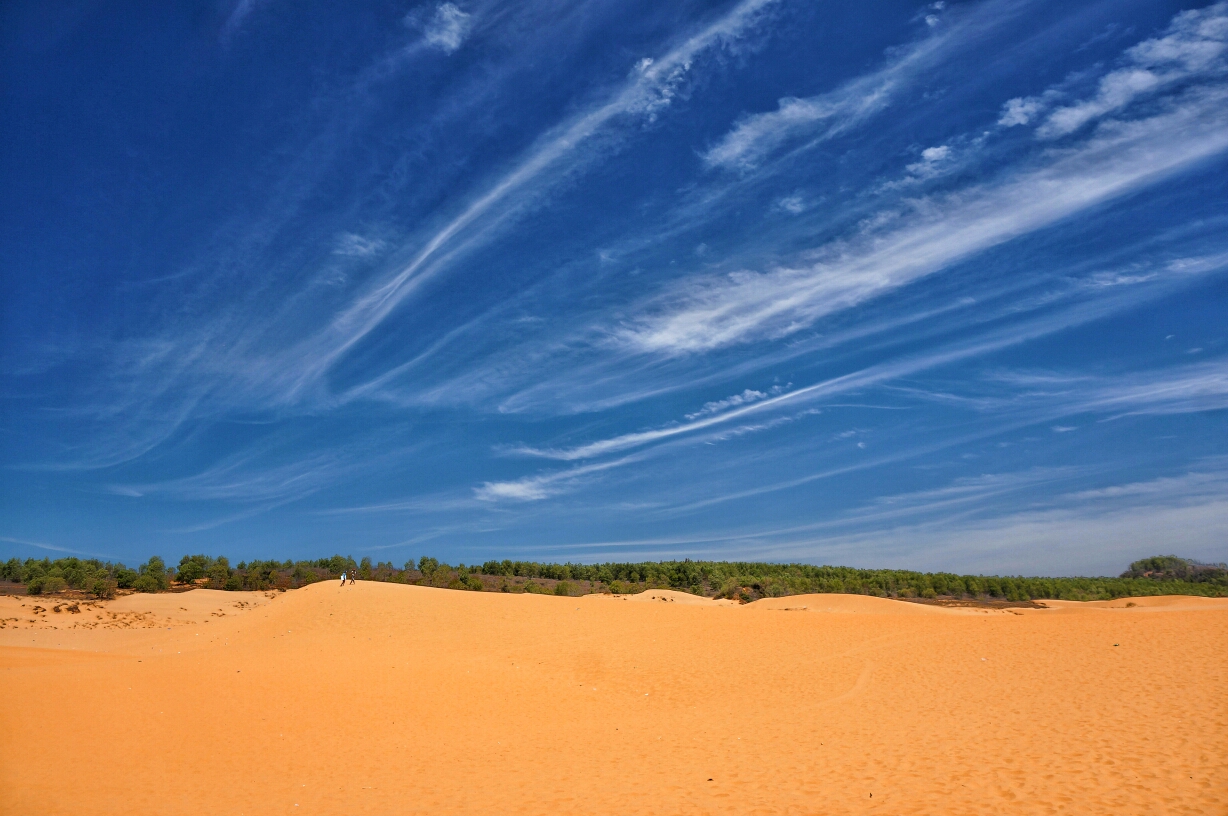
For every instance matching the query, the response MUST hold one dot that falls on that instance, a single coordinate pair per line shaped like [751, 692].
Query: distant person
[353, 576]
[343, 579]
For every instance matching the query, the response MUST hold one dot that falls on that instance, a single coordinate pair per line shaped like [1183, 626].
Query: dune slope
[380, 698]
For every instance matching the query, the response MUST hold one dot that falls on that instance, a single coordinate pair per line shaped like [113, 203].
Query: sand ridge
[380, 698]
[137, 611]
[671, 596]
[863, 604]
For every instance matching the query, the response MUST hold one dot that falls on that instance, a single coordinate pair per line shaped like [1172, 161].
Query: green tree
[155, 574]
[194, 567]
[146, 583]
[102, 586]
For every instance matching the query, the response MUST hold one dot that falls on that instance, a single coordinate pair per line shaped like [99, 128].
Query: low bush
[153, 576]
[146, 583]
[102, 587]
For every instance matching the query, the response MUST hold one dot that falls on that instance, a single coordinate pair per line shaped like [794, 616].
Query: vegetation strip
[742, 581]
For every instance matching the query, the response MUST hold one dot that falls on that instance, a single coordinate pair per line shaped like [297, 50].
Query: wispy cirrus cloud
[900, 241]
[271, 352]
[826, 115]
[357, 246]
[42, 545]
[445, 29]
[1174, 389]
[237, 17]
[1185, 389]
[1181, 390]
[934, 232]
[241, 479]
[1193, 47]
[1093, 532]
[975, 524]
[651, 88]
[747, 396]
[545, 485]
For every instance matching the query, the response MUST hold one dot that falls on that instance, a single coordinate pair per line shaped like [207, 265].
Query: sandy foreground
[379, 698]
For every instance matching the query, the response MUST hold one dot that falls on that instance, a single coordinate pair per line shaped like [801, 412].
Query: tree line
[739, 580]
[751, 580]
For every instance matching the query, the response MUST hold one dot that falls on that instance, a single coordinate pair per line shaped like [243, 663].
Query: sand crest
[381, 698]
[138, 611]
[672, 596]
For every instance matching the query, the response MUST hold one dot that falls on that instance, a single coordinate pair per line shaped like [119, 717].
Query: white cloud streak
[356, 246]
[1120, 158]
[1185, 390]
[1019, 111]
[829, 114]
[542, 486]
[448, 29]
[1188, 389]
[1081, 534]
[650, 89]
[234, 22]
[51, 547]
[715, 407]
[966, 526]
[1194, 46]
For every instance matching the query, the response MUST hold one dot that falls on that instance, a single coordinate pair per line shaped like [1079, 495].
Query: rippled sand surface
[378, 698]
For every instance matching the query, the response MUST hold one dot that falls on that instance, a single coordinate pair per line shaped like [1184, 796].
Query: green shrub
[53, 583]
[190, 570]
[562, 588]
[102, 587]
[146, 583]
[443, 576]
[11, 570]
[35, 586]
[233, 584]
[155, 574]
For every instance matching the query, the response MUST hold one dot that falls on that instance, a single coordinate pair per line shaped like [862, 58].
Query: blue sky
[925, 285]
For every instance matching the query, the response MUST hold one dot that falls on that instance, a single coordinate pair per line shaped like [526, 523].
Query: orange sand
[379, 698]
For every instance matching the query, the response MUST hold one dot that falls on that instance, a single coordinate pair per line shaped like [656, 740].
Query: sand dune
[859, 603]
[667, 596]
[381, 698]
[138, 611]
